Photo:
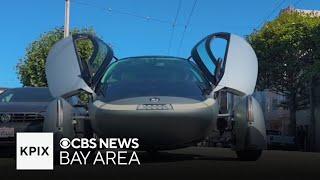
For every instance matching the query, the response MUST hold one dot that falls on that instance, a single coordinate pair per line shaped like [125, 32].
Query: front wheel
[249, 155]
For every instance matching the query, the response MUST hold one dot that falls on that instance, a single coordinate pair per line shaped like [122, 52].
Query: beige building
[312, 13]
[276, 117]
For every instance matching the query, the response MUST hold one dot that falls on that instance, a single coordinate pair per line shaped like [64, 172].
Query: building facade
[276, 116]
[312, 13]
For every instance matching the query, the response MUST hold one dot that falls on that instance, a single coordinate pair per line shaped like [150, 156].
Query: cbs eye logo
[65, 143]
[78, 143]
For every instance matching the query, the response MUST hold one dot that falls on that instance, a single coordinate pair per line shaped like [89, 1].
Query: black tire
[249, 155]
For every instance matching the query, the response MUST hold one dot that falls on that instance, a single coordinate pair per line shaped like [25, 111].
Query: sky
[132, 27]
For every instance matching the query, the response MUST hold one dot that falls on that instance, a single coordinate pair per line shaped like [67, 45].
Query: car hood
[23, 107]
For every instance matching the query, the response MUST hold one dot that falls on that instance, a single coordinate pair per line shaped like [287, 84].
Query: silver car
[166, 102]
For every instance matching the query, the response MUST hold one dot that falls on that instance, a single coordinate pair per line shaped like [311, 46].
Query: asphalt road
[190, 163]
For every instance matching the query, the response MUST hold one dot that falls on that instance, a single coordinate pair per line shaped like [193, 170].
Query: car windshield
[26, 95]
[136, 77]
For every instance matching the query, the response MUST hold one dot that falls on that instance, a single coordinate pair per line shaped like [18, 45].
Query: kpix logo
[34, 151]
[30, 151]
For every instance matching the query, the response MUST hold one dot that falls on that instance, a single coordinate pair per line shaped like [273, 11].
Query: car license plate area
[6, 132]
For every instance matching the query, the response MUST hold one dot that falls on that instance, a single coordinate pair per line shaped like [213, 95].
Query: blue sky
[121, 23]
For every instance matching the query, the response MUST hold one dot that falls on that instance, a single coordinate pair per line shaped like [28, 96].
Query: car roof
[23, 89]
[154, 57]
[30, 88]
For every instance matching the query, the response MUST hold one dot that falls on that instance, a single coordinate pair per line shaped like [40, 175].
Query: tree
[288, 52]
[31, 68]
[314, 101]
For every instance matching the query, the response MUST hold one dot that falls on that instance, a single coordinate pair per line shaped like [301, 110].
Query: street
[188, 163]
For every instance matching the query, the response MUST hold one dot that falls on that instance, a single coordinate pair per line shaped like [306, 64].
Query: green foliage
[288, 52]
[286, 48]
[31, 68]
[314, 70]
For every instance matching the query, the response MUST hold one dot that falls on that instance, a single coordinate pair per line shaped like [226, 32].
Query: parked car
[24, 110]
[276, 140]
[21, 110]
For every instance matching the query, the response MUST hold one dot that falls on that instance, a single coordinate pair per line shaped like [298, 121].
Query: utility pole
[67, 19]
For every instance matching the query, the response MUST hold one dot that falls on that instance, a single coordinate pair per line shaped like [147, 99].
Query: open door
[67, 73]
[233, 65]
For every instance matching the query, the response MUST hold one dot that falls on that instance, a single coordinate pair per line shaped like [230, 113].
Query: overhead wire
[122, 12]
[187, 25]
[277, 6]
[174, 25]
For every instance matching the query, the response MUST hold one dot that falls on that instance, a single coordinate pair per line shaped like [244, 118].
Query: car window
[26, 95]
[7, 98]
[153, 77]
[153, 70]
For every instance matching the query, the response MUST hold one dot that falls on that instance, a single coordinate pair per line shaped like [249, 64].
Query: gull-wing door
[233, 66]
[67, 73]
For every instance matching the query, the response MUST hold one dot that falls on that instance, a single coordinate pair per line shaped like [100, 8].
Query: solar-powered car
[166, 102]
